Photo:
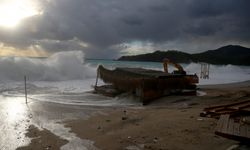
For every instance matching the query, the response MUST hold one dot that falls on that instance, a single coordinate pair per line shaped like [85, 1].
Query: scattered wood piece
[228, 128]
[238, 108]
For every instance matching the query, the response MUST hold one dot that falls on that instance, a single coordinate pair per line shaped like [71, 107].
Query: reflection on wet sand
[37, 124]
[13, 122]
[15, 109]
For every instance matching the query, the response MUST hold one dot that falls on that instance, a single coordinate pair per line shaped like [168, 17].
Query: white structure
[204, 71]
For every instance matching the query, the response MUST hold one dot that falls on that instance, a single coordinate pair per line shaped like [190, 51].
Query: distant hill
[231, 54]
[158, 56]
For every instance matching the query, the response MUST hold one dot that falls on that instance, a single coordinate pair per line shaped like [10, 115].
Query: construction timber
[234, 128]
[234, 120]
[145, 83]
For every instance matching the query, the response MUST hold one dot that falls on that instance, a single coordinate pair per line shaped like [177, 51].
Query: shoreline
[227, 85]
[171, 122]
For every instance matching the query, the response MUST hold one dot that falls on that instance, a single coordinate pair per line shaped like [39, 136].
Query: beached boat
[145, 83]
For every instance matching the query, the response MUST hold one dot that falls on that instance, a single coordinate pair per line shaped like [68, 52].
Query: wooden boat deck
[227, 127]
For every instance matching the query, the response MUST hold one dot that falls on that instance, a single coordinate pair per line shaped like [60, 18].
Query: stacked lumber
[234, 119]
[232, 128]
[237, 108]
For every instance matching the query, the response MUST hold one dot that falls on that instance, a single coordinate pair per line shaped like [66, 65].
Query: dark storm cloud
[103, 25]
[132, 20]
[227, 19]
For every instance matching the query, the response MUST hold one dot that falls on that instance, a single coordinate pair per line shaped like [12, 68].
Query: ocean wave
[60, 66]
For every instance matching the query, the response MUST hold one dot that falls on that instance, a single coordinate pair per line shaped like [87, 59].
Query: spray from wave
[58, 67]
[221, 74]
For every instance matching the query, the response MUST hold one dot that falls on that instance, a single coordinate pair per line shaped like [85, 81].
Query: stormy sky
[110, 28]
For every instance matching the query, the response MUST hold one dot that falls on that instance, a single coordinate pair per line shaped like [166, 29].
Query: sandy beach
[172, 122]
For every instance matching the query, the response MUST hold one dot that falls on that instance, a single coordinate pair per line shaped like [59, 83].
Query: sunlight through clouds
[13, 11]
[32, 51]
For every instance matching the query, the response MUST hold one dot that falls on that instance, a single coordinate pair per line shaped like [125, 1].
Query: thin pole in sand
[97, 76]
[25, 89]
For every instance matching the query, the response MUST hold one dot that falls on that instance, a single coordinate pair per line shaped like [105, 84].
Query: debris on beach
[237, 108]
[234, 120]
[233, 128]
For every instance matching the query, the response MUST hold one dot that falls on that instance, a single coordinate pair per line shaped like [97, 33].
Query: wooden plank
[243, 130]
[222, 123]
[230, 126]
[226, 112]
[222, 109]
[225, 123]
[236, 129]
[226, 127]
[240, 106]
[248, 131]
[216, 114]
[246, 109]
[226, 105]
[246, 120]
[219, 124]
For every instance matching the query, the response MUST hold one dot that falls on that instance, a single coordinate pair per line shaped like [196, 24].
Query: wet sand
[42, 139]
[171, 122]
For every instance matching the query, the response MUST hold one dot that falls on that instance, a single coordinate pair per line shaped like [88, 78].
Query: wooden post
[25, 90]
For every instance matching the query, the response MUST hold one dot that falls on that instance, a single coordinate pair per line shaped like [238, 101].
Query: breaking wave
[60, 66]
[221, 74]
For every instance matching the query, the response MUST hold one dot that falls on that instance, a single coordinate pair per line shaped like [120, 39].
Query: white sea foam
[221, 74]
[58, 67]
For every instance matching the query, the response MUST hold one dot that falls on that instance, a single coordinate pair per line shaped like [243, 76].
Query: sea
[68, 78]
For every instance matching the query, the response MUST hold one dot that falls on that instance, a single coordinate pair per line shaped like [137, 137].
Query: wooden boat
[145, 83]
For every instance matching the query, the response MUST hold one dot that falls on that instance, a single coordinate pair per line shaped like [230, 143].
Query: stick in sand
[25, 89]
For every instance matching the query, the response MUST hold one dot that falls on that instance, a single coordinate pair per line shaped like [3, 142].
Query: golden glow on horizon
[13, 11]
[10, 51]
